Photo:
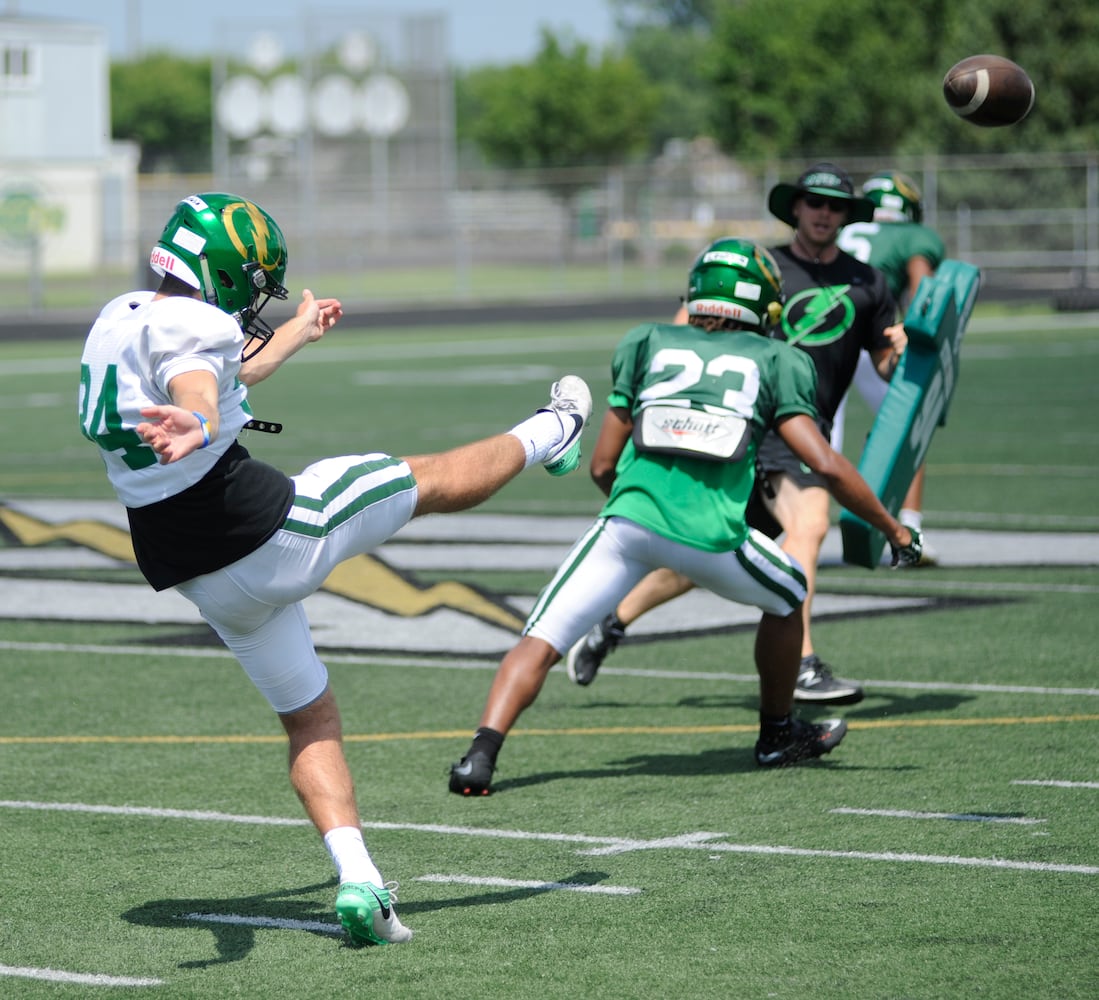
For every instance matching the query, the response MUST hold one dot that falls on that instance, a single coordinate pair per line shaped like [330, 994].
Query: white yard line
[78, 978]
[1060, 784]
[276, 923]
[912, 814]
[491, 664]
[523, 883]
[591, 845]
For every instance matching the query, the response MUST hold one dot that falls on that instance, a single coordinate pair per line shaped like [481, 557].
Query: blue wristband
[205, 425]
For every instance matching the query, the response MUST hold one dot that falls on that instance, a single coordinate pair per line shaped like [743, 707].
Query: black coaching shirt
[832, 312]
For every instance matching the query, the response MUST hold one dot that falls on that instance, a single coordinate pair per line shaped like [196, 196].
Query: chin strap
[267, 426]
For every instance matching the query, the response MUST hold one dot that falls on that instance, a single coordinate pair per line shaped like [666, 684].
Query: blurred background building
[68, 193]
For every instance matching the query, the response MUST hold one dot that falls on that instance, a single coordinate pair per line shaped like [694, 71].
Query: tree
[667, 39]
[163, 103]
[805, 77]
[673, 15]
[564, 109]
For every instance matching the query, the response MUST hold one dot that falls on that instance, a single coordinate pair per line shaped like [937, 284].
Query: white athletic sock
[539, 435]
[353, 864]
[911, 518]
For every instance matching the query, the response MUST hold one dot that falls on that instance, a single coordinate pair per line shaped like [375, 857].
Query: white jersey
[134, 350]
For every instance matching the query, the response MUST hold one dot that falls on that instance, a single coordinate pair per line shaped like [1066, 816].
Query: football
[989, 91]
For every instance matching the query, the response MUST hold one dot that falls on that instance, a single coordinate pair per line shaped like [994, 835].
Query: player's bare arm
[613, 435]
[918, 268]
[314, 318]
[805, 440]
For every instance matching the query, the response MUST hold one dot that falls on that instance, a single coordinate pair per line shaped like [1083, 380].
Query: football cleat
[570, 400]
[367, 913]
[472, 775]
[587, 656]
[815, 683]
[798, 740]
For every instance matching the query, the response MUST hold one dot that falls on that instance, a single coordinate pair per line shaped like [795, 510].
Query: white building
[68, 193]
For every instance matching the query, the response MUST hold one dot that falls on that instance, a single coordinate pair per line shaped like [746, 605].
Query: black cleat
[472, 775]
[587, 656]
[786, 745]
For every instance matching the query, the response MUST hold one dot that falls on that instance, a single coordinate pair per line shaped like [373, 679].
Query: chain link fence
[1031, 223]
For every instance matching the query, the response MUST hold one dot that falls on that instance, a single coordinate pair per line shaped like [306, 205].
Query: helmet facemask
[256, 330]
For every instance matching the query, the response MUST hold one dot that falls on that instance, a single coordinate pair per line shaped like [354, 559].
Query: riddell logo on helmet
[714, 307]
[165, 262]
[163, 258]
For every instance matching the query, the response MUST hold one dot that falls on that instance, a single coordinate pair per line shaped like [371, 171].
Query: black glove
[908, 555]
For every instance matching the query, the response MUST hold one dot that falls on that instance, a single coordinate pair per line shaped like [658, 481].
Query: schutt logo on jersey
[694, 424]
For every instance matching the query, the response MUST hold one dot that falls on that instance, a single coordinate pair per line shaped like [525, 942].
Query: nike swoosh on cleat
[385, 909]
[578, 422]
[465, 769]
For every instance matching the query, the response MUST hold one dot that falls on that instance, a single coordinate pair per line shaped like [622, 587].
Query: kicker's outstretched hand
[171, 431]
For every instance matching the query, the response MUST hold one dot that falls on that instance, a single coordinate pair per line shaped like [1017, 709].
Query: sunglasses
[819, 201]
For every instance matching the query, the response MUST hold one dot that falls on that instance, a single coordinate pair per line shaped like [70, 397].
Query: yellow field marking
[590, 731]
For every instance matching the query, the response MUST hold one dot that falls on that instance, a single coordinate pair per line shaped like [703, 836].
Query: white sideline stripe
[493, 663]
[1060, 784]
[902, 857]
[522, 883]
[910, 814]
[701, 840]
[900, 586]
[80, 978]
[485, 663]
[280, 923]
[194, 814]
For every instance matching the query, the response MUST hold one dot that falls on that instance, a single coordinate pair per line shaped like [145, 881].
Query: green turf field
[949, 848]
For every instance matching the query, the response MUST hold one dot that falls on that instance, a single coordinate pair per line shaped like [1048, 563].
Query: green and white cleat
[367, 913]
[570, 399]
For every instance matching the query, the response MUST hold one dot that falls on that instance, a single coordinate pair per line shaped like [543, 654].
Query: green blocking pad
[917, 401]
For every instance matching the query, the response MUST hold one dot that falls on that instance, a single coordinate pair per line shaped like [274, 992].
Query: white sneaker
[368, 913]
[570, 399]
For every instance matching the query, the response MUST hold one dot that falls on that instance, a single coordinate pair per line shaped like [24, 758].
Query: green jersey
[738, 382]
[889, 246]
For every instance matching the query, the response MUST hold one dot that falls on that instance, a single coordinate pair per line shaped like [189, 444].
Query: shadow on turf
[727, 760]
[876, 704]
[234, 941]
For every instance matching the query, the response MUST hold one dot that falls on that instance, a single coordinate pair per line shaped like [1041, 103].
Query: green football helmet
[232, 251]
[895, 196]
[736, 279]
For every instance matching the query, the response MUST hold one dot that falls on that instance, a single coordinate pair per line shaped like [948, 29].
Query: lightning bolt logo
[818, 316]
[364, 579]
[257, 232]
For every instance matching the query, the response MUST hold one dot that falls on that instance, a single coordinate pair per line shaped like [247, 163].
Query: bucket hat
[824, 179]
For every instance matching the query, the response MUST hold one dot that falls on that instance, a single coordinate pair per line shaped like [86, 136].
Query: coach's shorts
[774, 456]
[342, 507]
